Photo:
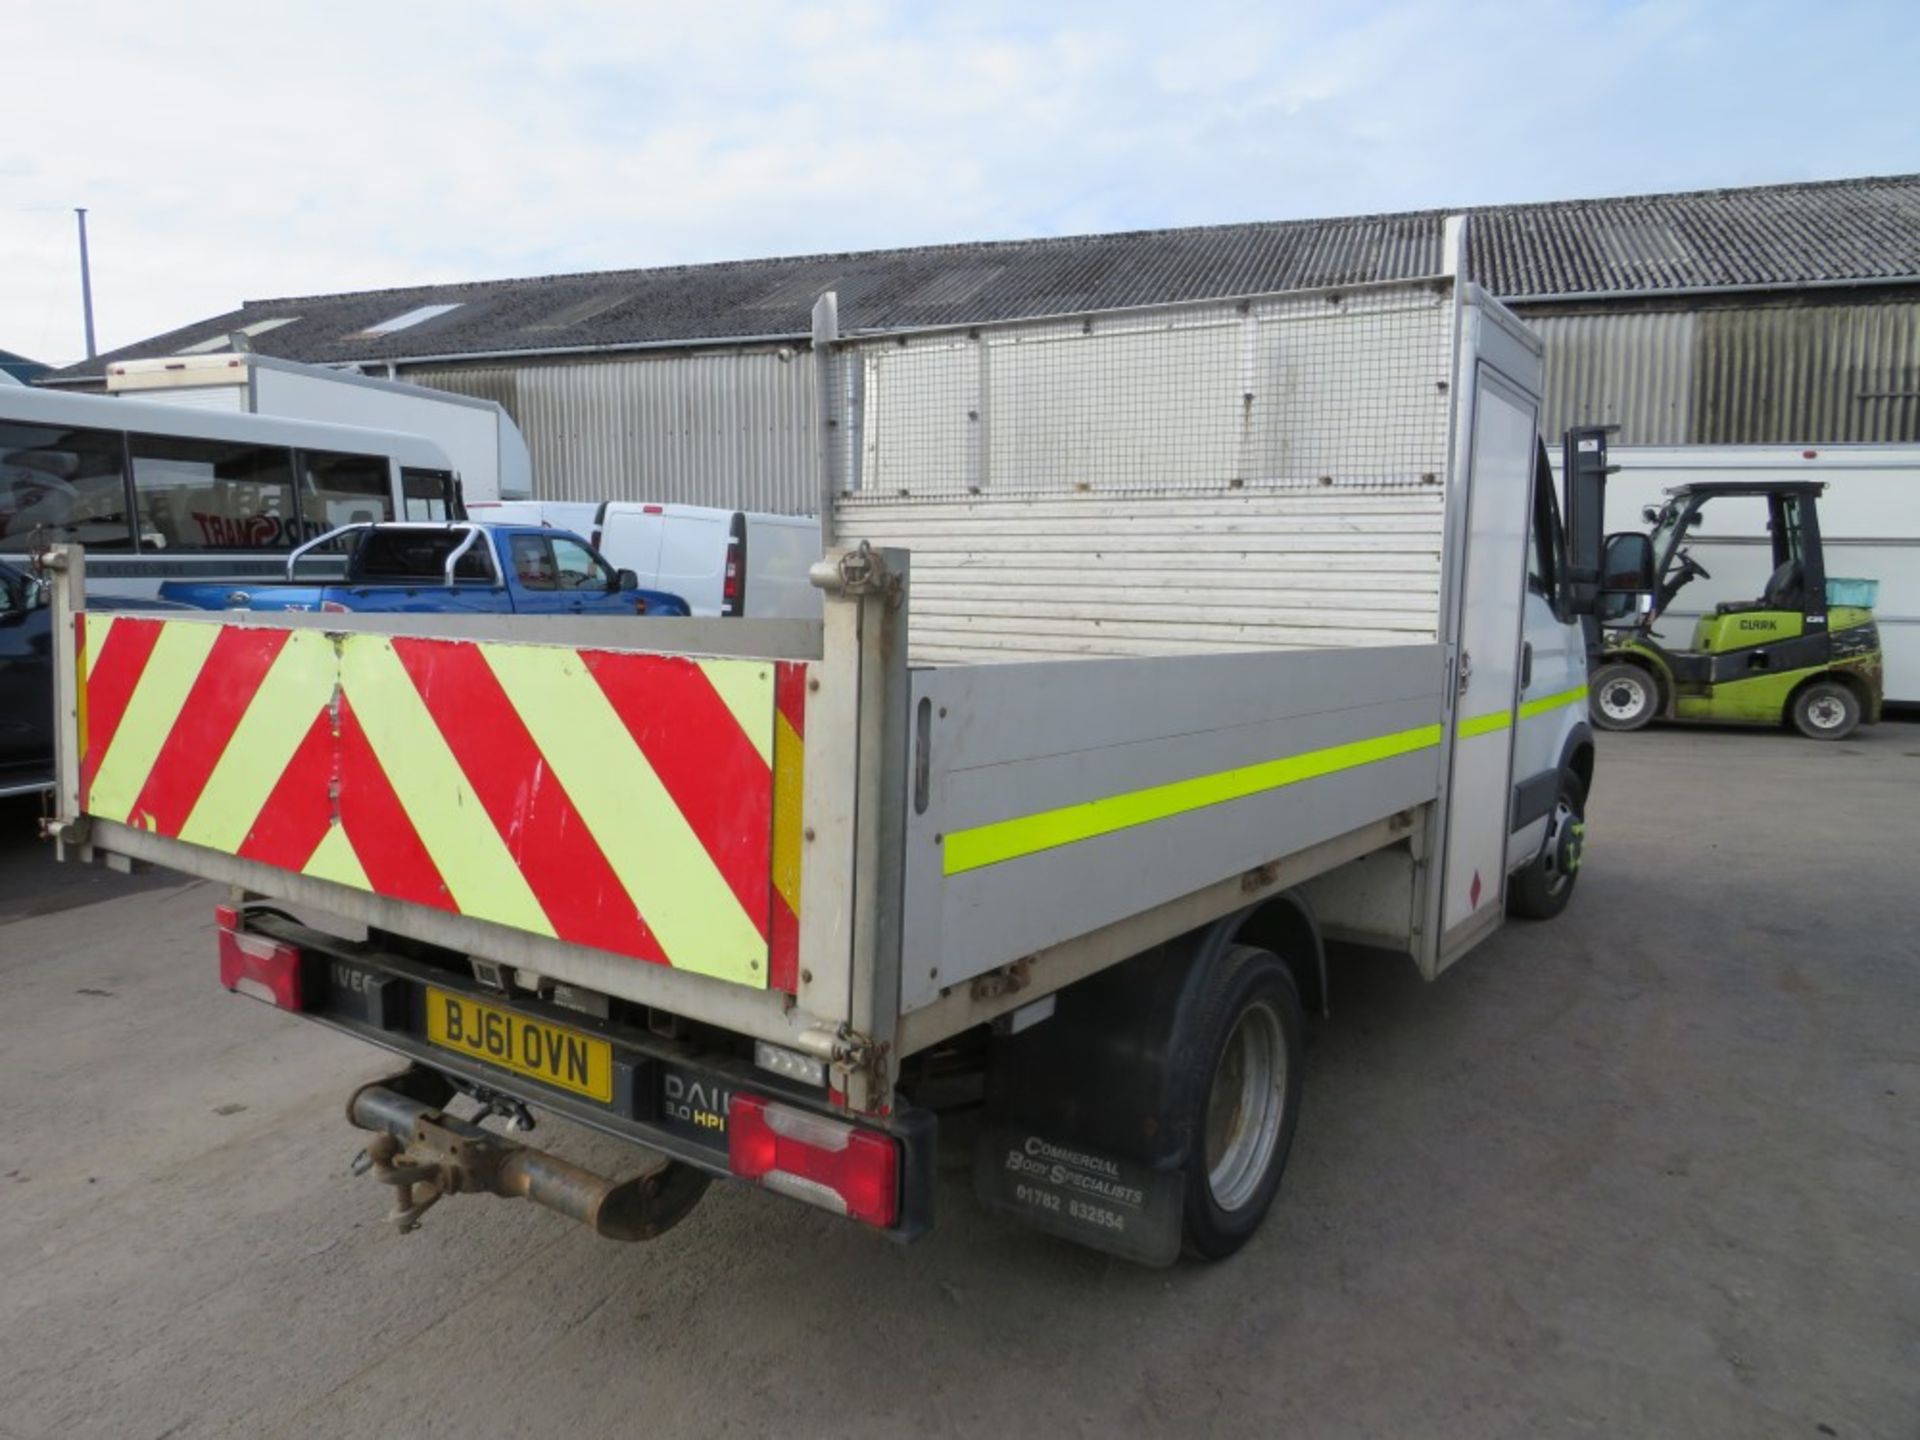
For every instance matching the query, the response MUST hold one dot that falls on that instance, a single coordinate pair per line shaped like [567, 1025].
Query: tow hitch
[424, 1154]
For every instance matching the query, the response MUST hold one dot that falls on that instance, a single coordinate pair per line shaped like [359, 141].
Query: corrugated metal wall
[1634, 371]
[1756, 375]
[1827, 373]
[722, 428]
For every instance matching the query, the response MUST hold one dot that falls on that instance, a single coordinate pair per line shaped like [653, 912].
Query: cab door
[1473, 869]
[1553, 677]
[536, 587]
[586, 584]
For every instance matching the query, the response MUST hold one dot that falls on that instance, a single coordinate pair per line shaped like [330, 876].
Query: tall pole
[86, 282]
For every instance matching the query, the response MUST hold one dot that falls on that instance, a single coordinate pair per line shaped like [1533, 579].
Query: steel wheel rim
[1245, 1106]
[1616, 708]
[1562, 848]
[1826, 713]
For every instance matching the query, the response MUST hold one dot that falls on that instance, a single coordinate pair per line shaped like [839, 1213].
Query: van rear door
[693, 555]
[630, 540]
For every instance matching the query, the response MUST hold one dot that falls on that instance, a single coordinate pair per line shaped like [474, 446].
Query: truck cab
[1553, 742]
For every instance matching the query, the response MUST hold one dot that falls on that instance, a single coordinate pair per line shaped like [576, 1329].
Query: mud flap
[1120, 1206]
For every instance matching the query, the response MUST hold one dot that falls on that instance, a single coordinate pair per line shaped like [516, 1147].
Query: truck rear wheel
[1624, 697]
[1825, 710]
[1244, 1050]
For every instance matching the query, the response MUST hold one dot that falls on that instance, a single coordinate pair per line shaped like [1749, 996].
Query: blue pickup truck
[462, 568]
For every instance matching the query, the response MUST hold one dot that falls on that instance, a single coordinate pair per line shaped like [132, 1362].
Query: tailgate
[607, 798]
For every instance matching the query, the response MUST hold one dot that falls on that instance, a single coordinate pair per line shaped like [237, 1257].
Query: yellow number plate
[565, 1058]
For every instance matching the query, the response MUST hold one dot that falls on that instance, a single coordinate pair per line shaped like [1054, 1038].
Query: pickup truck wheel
[1542, 889]
[1243, 1049]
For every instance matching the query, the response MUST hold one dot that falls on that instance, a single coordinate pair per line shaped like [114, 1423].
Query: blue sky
[237, 150]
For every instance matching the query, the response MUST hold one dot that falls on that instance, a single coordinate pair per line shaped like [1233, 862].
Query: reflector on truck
[606, 798]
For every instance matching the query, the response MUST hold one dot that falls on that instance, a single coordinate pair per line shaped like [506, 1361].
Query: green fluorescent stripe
[1552, 702]
[1500, 719]
[1485, 724]
[1029, 834]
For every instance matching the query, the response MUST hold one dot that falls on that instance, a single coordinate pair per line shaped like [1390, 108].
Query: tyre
[1623, 697]
[1825, 710]
[1541, 891]
[1243, 1057]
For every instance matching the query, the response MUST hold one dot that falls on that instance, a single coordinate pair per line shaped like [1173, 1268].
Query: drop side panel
[1051, 799]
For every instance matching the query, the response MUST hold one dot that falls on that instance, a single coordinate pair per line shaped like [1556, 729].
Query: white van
[721, 562]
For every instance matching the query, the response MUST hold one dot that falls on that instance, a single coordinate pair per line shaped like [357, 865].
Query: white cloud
[238, 150]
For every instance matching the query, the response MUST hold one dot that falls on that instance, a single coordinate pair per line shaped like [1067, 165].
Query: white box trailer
[1869, 529]
[1158, 648]
[487, 449]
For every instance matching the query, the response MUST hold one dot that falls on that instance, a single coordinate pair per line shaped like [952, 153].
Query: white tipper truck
[1161, 650]
[488, 451]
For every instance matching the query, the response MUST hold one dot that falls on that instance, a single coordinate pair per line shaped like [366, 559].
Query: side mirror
[625, 580]
[14, 595]
[1627, 566]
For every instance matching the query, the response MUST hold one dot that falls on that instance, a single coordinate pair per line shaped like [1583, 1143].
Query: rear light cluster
[839, 1167]
[733, 585]
[255, 965]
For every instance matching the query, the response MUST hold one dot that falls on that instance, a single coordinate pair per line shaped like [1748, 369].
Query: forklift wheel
[1624, 697]
[1825, 710]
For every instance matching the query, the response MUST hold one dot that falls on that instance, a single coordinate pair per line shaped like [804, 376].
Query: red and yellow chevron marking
[789, 774]
[622, 801]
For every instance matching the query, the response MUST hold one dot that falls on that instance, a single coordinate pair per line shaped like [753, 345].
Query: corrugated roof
[1860, 230]
[1778, 235]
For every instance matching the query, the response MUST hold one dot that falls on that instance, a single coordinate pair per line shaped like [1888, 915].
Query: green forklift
[1806, 651]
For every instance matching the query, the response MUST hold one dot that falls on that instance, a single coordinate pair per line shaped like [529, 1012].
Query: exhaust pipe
[426, 1154]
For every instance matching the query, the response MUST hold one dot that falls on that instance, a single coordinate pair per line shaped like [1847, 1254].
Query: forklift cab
[1786, 654]
[1796, 586]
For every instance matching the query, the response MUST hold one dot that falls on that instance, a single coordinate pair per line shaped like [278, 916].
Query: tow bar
[425, 1154]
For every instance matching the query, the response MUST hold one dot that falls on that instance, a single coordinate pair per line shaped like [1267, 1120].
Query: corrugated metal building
[1774, 314]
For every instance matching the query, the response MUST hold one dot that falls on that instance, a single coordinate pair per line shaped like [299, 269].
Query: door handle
[1526, 663]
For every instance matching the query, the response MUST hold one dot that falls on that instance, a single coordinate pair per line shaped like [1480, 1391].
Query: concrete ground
[1652, 1169]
